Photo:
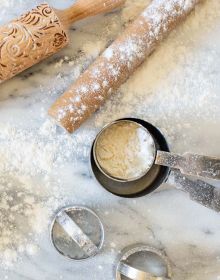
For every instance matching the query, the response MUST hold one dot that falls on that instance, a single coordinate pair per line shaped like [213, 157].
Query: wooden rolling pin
[119, 61]
[42, 32]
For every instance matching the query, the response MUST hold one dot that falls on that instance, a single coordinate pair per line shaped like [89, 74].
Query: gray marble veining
[167, 219]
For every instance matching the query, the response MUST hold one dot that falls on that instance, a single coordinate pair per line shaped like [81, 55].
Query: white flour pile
[25, 209]
[124, 150]
[30, 191]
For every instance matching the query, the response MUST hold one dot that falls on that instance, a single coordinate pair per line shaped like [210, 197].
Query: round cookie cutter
[77, 233]
[160, 170]
[141, 262]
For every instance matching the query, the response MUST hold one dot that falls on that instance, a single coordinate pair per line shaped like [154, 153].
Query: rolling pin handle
[87, 8]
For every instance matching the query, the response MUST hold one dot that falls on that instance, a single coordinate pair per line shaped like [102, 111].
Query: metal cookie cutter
[163, 161]
[77, 233]
[143, 263]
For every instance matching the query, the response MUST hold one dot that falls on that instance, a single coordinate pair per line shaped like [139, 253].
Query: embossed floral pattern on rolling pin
[29, 39]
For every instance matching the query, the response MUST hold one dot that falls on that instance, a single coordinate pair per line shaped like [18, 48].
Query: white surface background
[179, 92]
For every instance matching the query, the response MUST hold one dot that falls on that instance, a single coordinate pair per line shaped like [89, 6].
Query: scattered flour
[172, 90]
[125, 151]
[25, 209]
[93, 49]
[120, 60]
[30, 192]
[131, 10]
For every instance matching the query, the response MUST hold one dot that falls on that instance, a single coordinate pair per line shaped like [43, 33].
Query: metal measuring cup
[157, 173]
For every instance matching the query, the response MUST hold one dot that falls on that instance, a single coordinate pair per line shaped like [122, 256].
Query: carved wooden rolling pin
[41, 33]
[119, 61]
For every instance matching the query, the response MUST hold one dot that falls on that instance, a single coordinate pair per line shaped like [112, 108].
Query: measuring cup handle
[136, 274]
[199, 191]
[191, 164]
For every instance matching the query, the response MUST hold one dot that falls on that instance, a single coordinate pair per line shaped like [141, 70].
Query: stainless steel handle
[191, 164]
[75, 232]
[199, 191]
[136, 274]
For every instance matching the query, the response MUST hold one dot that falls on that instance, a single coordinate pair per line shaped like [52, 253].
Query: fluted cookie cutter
[143, 263]
[77, 233]
[163, 161]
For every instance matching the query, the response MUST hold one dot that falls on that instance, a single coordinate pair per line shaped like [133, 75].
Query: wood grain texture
[87, 8]
[119, 62]
[42, 32]
[29, 39]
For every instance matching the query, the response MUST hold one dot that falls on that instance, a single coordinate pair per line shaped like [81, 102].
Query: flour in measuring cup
[125, 150]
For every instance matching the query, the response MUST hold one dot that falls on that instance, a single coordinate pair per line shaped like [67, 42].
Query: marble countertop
[166, 219]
